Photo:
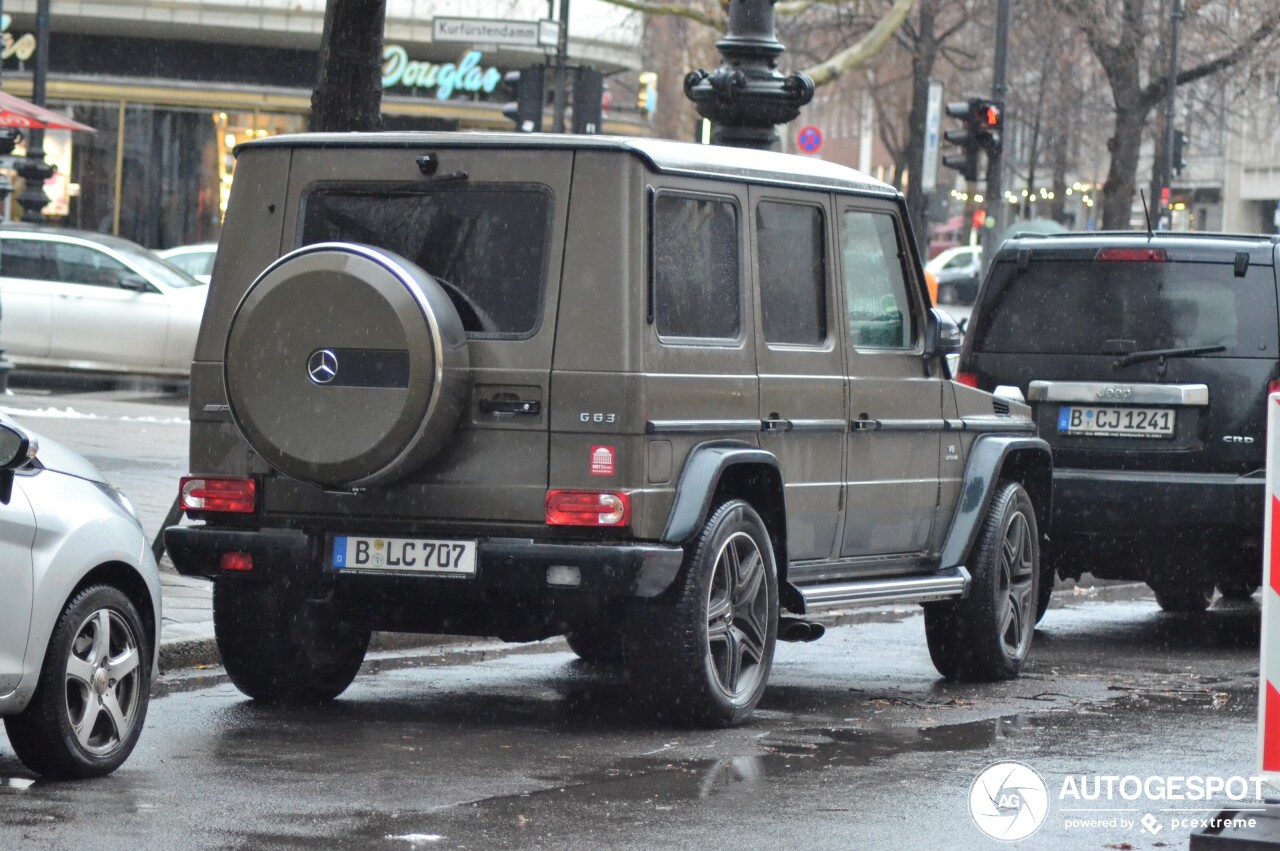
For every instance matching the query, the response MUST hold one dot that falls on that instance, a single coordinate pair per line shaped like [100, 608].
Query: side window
[791, 257]
[27, 258]
[80, 265]
[697, 280]
[876, 297]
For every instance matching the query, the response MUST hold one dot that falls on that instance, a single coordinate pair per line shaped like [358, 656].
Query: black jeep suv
[1147, 361]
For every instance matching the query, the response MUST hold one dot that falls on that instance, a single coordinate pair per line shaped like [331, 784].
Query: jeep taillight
[968, 379]
[1273, 386]
[587, 508]
[202, 493]
[1132, 255]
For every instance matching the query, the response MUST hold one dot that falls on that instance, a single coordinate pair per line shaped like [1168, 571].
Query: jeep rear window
[1086, 307]
[485, 245]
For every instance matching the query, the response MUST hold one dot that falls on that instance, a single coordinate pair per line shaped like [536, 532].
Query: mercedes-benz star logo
[322, 366]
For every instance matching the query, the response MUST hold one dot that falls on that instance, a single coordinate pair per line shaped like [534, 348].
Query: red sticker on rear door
[602, 460]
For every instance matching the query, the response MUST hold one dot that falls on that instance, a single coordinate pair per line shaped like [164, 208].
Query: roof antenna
[1151, 232]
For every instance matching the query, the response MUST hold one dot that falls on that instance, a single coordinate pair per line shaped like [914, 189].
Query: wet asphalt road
[857, 744]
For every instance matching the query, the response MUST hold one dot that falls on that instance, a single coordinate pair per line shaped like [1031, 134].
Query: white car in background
[79, 612]
[196, 260]
[89, 301]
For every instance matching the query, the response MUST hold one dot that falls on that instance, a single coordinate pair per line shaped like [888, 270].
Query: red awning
[16, 112]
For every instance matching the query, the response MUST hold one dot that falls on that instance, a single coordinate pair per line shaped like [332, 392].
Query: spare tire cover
[346, 365]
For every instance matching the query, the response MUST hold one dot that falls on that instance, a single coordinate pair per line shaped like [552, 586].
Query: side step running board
[902, 589]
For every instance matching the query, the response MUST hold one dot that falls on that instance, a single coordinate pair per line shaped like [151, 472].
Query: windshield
[1113, 308]
[486, 245]
[155, 268]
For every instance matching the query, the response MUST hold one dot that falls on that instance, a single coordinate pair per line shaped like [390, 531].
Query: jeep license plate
[1116, 422]
[407, 555]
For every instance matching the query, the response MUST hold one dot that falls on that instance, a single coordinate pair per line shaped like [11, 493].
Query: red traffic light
[991, 115]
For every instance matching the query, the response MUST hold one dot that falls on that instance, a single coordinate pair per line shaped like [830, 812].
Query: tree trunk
[1121, 182]
[922, 62]
[348, 92]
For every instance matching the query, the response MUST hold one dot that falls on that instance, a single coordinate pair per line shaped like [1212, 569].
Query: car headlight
[119, 499]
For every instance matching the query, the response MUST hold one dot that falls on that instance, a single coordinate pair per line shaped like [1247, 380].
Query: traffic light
[588, 93]
[982, 129]
[1179, 151]
[647, 96]
[988, 119]
[527, 85]
[966, 160]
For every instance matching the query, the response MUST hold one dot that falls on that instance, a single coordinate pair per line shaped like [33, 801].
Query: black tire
[707, 657]
[1238, 589]
[94, 688]
[600, 642]
[281, 651]
[1048, 575]
[1187, 595]
[986, 636]
[947, 294]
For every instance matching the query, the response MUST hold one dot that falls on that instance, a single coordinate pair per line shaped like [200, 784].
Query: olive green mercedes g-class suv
[665, 399]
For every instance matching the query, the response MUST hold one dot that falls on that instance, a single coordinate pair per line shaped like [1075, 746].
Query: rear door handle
[775, 425]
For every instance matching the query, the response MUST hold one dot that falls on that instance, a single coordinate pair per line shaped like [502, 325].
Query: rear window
[485, 245]
[1088, 307]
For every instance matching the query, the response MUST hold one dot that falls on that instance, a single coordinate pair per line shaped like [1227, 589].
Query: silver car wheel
[737, 616]
[103, 682]
[1016, 592]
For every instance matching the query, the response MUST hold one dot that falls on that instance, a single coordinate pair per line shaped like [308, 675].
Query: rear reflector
[1132, 255]
[968, 379]
[206, 494]
[587, 508]
[239, 562]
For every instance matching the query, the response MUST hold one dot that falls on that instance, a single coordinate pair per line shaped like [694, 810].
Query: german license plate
[404, 555]
[1116, 422]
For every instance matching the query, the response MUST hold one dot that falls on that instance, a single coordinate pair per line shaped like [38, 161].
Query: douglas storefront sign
[465, 75]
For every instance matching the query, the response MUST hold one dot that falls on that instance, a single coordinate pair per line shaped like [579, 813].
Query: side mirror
[943, 336]
[16, 447]
[137, 283]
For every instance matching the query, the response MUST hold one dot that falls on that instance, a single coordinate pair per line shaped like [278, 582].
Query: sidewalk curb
[185, 653]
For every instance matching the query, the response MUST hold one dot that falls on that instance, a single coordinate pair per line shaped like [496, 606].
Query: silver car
[79, 611]
[88, 301]
[196, 260]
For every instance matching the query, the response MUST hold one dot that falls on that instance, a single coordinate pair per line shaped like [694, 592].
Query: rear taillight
[588, 508]
[1273, 386]
[199, 493]
[238, 562]
[1132, 255]
[968, 379]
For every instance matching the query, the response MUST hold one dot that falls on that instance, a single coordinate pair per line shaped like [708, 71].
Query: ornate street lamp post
[746, 97]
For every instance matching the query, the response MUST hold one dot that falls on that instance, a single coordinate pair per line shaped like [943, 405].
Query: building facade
[171, 86]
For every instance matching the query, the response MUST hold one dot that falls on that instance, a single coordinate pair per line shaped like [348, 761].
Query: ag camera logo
[1008, 801]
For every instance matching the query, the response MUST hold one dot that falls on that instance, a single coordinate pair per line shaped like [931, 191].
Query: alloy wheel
[103, 682]
[737, 616]
[1015, 593]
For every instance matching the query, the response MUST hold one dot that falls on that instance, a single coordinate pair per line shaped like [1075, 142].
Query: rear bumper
[1131, 504]
[504, 566]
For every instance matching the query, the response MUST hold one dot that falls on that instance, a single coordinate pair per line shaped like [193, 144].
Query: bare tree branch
[676, 9]
[858, 54]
